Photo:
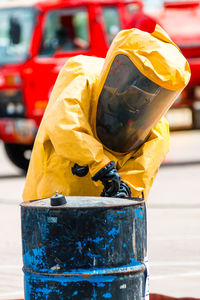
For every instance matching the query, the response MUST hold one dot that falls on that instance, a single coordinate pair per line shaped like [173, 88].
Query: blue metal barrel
[88, 248]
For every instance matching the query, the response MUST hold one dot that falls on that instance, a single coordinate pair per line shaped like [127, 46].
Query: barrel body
[84, 250]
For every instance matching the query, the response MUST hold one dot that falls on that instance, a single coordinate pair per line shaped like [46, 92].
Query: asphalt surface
[173, 223]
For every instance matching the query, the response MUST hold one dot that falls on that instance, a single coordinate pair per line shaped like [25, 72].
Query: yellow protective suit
[67, 132]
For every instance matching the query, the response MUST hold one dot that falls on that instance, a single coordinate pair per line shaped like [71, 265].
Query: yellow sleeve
[67, 126]
[140, 170]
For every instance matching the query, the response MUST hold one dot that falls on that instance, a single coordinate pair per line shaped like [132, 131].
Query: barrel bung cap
[58, 200]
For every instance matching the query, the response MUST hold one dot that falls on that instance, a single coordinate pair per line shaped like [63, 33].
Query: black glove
[80, 171]
[109, 178]
[124, 191]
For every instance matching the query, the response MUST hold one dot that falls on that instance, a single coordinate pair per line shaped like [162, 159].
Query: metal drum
[88, 248]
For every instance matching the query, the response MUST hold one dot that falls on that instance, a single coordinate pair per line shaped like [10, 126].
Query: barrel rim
[140, 267]
[125, 202]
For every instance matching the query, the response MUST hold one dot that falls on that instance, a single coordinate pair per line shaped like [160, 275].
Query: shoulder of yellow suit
[84, 65]
[154, 54]
[81, 65]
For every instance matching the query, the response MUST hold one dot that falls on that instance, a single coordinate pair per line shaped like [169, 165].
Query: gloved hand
[110, 180]
[80, 171]
[124, 191]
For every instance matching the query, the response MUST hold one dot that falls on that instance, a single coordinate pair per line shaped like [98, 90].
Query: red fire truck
[181, 19]
[36, 37]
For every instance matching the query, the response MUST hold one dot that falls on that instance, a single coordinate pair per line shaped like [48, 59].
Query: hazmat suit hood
[142, 76]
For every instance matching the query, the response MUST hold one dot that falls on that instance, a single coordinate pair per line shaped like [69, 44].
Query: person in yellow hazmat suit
[103, 131]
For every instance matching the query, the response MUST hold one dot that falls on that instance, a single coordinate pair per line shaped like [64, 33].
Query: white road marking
[174, 263]
[187, 274]
[174, 238]
[4, 267]
[19, 294]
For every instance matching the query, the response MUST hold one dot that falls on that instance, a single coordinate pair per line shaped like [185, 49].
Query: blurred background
[36, 38]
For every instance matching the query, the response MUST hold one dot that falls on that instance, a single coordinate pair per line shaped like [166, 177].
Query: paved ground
[174, 220]
[173, 223]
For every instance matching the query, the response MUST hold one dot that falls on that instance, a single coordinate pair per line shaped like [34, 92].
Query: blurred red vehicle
[36, 37]
[181, 19]
[160, 297]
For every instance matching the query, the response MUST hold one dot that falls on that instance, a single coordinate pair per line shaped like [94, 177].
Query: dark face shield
[129, 106]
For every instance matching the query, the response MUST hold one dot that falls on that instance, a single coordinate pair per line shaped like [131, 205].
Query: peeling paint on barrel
[107, 295]
[89, 253]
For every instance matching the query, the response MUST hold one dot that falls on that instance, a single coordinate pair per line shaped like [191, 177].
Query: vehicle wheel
[19, 154]
[196, 115]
